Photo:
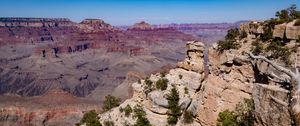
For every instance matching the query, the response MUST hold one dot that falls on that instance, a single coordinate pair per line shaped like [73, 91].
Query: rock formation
[234, 75]
[141, 26]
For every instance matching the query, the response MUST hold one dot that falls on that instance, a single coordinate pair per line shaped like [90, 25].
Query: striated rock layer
[88, 60]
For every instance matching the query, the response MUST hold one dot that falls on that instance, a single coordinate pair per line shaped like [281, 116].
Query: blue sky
[128, 12]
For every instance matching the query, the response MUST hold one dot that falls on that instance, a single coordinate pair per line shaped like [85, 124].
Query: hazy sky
[127, 12]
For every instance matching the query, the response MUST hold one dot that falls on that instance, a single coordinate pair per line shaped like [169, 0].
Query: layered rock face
[90, 60]
[234, 75]
[39, 49]
[287, 30]
[206, 97]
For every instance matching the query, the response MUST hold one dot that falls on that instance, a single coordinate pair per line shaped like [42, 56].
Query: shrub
[148, 86]
[108, 123]
[257, 48]
[288, 14]
[110, 102]
[162, 84]
[90, 119]
[174, 108]
[227, 45]
[128, 110]
[279, 51]
[227, 118]
[140, 114]
[242, 116]
[245, 113]
[267, 35]
[232, 34]
[273, 21]
[188, 117]
[180, 76]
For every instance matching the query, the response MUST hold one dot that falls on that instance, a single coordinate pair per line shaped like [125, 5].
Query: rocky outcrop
[155, 103]
[195, 58]
[54, 108]
[234, 75]
[253, 27]
[94, 25]
[141, 26]
[279, 30]
[219, 91]
[287, 30]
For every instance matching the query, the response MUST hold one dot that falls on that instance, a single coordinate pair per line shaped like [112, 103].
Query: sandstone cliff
[234, 75]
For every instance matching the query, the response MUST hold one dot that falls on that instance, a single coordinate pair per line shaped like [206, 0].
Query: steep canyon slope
[42, 58]
[236, 74]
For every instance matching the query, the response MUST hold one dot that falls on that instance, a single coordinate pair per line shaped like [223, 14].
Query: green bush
[242, 116]
[162, 84]
[108, 123]
[128, 110]
[188, 117]
[267, 35]
[110, 102]
[90, 119]
[174, 108]
[227, 45]
[140, 114]
[227, 118]
[278, 50]
[232, 34]
[257, 48]
[148, 86]
[288, 14]
[273, 21]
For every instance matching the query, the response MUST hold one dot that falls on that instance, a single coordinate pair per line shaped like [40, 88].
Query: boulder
[292, 32]
[279, 31]
[157, 97]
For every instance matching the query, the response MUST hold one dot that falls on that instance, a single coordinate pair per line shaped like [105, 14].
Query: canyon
[52, 69]
[241, 71]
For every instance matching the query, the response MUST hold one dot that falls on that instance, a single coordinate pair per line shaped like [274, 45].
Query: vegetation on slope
[90, 119]
[242, 116]
[140, 114]
[148, 87]
[230, 40]
[162, 84]
[174, 108]
[128, 110]
[110, 102]
[188, 117]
